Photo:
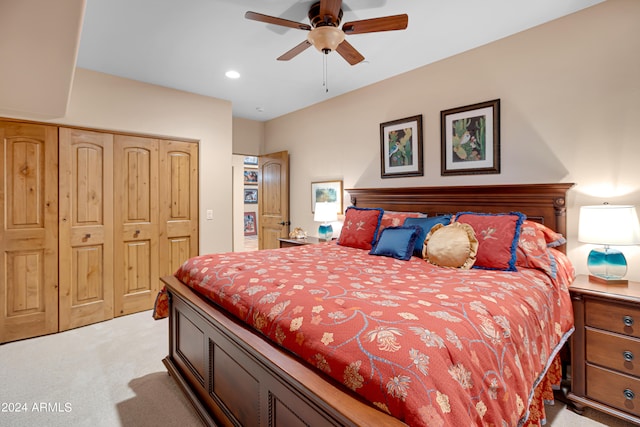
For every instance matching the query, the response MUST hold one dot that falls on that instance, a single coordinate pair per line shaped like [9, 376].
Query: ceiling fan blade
[387, 23]
[255, 16]
[349, 53]
[295, 51]
[331, 8]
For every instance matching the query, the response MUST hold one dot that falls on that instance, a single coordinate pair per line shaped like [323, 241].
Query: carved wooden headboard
[544, 203]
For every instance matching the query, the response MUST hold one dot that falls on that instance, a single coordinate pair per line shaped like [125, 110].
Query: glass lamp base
[608, 265]
[325, 231]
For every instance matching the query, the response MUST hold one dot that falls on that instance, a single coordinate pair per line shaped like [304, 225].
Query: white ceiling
[190, 44]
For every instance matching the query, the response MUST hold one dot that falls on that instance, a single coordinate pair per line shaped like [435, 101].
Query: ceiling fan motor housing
[318, 21]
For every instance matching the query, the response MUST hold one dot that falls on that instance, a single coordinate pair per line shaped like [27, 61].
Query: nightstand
[287, 243]
[605, 348]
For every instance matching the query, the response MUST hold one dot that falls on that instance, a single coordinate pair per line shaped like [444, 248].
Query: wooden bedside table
[287, 243]
[605, 348]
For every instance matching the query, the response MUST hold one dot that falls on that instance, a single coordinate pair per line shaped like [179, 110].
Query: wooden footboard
[235, 378]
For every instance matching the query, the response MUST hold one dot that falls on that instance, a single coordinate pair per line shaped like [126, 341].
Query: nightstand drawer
[613, 351]
[614, 389]
[624, 319]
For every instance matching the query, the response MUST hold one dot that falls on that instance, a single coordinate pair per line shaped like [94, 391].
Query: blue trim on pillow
[375, 234]
[561, 241]
[554, 265]
[425, 225]
[396, 242]
[514, 243]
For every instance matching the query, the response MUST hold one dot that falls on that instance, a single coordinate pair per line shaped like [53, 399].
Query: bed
[234, 375]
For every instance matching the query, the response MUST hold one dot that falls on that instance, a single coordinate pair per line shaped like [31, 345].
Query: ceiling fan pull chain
[325, 74]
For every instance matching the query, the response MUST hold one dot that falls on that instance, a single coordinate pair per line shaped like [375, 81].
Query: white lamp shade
[609, 225]
[326, 212]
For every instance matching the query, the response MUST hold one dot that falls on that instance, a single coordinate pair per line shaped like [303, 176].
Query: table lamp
[608, 225]
[325, 212]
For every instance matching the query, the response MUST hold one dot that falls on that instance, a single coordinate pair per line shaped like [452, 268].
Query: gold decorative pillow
[454, 245]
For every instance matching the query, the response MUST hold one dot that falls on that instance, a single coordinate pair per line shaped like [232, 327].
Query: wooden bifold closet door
[86, 227]
[131, 217]
[29, 240]
[156, 216]
[136, 218]
[178, 204]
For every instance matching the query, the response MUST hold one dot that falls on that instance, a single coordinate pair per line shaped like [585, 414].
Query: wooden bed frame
[234, 377]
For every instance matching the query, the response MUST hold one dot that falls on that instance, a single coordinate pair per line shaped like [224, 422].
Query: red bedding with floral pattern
[429, 345]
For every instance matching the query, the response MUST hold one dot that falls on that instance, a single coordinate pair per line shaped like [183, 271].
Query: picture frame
[250, 176]
[251, 195]
[251, 160]
[470, 139]
[401, 148]
[326, 191]
[250, 228]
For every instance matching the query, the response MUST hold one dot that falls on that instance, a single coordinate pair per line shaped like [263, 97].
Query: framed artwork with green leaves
[470, 138]
[401, 147]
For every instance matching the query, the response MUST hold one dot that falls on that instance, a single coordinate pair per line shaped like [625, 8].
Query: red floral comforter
[431, 346]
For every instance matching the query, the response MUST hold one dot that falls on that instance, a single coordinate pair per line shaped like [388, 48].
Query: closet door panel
[86, 227]
[28, 214]
[179, 204]
[136, 204]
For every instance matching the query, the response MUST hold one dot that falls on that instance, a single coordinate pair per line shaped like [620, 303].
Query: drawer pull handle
[628, 320]
[628, 356]
[629, 394]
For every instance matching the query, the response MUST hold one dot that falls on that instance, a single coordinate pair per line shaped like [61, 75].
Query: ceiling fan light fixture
[326, 38]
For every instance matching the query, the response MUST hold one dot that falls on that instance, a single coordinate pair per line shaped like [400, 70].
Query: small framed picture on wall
[251, 176]
[250, 228]
[326, 191]
[251, 195]
[250, 160]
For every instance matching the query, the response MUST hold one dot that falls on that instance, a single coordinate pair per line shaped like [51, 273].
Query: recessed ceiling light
[260, 109]
[232, 74]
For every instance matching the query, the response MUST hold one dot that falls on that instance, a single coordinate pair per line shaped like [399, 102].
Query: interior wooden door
[178, 204]
[273, 199]
[29, 241]
[86, 227]
[135, 223]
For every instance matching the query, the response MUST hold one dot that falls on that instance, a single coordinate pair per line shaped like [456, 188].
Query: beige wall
[39, 47]
[106, 102]
[569, 91]
[248, 137]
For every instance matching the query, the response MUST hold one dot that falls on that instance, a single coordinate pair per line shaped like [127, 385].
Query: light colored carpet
[107, 374]
[110, 374]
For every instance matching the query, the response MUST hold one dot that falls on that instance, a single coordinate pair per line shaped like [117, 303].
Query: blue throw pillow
[425, 225]
[396, 242]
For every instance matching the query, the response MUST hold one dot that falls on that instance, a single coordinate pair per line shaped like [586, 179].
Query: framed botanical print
[401, 147]
[470, 139]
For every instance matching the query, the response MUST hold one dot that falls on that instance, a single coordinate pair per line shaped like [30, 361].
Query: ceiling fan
[324, 33]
